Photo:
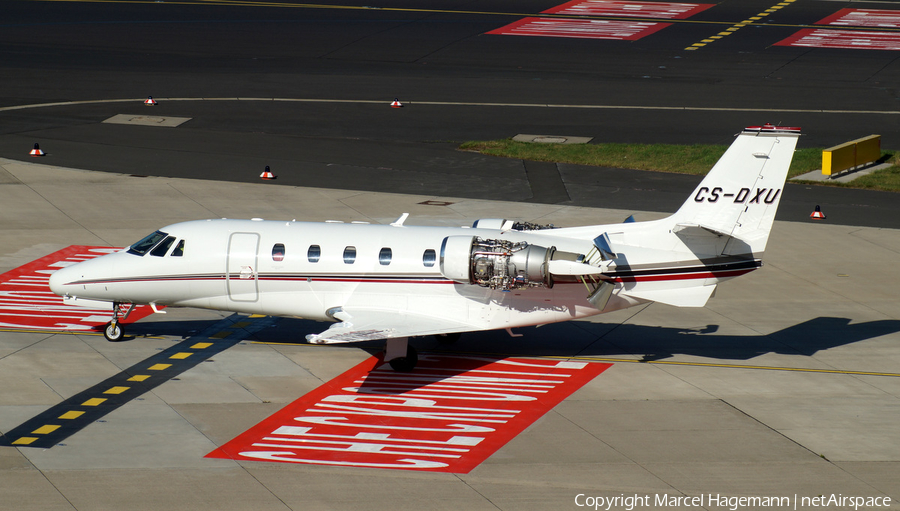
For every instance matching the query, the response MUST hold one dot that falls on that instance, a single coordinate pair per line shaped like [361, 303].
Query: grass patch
[685, 159]
[688, 159]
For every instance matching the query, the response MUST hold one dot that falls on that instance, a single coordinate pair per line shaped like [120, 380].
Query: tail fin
[719, 233]
[738, 198]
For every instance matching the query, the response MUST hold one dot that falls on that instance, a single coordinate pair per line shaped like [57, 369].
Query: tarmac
[845, 176]
[786, 384]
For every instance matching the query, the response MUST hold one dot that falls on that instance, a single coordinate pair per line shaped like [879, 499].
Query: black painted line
[61, 421]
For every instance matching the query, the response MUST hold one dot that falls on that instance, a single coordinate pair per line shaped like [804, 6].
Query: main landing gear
[403, 358]
[400, 355]
[113, 331]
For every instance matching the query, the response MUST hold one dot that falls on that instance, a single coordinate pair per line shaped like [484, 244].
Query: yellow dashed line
[139, 377]
[221, 335]
[181, 356]
[94, 401]
[242, 324]
[748, 21]
[74, 414]
[201, 345]
[116, 390]
[25, 440]
[257, 316]
[159, 367]
[43, 430]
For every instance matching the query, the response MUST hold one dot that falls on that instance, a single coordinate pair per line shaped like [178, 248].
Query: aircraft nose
[61, 278]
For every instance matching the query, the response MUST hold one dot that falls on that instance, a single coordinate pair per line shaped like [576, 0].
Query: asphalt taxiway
[785, 384]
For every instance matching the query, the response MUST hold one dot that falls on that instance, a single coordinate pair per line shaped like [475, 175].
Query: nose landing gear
[113, 331]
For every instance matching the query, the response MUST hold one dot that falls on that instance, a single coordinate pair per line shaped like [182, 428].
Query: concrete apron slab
[783, 384]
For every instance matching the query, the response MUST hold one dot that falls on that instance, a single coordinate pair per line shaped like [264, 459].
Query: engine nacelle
[497, 264]
[502, 224]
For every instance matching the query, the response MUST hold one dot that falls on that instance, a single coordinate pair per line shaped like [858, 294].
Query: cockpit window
[161, 249]
[142, 247]
[179, 249]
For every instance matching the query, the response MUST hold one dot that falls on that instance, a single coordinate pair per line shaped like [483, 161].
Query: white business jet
[395, 281]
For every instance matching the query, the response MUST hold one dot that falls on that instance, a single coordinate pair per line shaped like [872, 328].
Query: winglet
[399, 222]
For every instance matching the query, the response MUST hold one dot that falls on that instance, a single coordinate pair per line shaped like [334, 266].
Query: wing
[369, 324]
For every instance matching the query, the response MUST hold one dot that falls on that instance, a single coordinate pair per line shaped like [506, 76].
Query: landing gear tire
[113, 332]
[405, 364]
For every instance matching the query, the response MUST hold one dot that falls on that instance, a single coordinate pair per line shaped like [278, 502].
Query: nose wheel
[113, 331]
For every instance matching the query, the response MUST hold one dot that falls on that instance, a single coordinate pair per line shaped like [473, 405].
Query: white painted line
[467, 103]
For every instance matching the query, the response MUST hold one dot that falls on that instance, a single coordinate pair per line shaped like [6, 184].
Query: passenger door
[241, 275]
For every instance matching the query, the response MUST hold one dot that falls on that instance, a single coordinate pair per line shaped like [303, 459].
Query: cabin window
[428, 258]
[142, 247]
[179, 249]
[384, 257]
[349, 255]
[314, 253]
[161, 249]
[278, 252]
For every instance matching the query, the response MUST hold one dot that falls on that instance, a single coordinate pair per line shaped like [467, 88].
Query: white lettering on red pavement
[448, 415]
[875, 18]
[663, 10]
[581, 29]
[851, 39]
[26, 301]
[622, 30]
[845, 39]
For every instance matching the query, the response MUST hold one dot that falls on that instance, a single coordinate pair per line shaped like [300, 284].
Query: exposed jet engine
[504, 264]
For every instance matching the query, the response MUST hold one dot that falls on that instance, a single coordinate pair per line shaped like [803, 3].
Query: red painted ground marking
[448, 415]
[26, 301]
[581, 29]
[846, 39]
[664, 10]
[863, 18]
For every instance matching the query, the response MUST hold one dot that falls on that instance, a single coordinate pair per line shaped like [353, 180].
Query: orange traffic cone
[817, 214]
[267, 174]
[150, 101]
[37, 150]
[396, 103]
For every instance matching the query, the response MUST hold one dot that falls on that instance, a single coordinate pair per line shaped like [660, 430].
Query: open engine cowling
[498, 264]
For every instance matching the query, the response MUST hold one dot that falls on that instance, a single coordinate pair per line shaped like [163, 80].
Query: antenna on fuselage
[399, 222]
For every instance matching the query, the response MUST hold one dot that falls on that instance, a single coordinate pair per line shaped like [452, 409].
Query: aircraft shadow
[658, 343]
[586, 339]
